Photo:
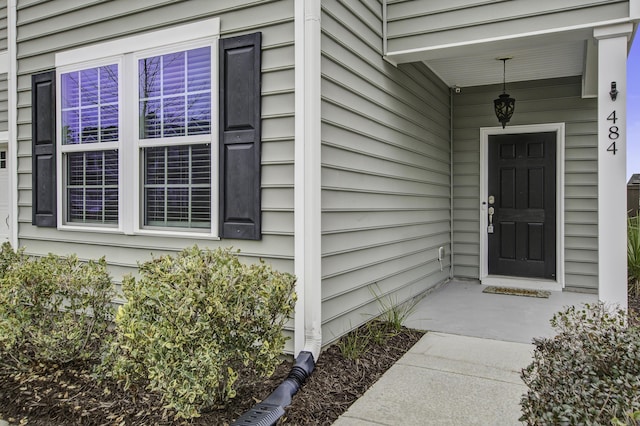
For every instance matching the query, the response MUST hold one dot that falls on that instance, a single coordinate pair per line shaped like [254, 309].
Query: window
[139, 160]
[172, 132]
[174, 93]
[3, 159]
[89, 139]
[141, 144]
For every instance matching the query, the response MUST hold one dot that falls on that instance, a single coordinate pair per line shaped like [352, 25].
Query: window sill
[176, 234]
[142, 232]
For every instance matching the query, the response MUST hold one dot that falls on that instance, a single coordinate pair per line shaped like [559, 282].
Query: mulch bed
[69, 395]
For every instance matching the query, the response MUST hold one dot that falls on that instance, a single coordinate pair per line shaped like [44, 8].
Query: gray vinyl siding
[385, 171]
[3, 25]
[4, 103]
[543, 101]
[46, 27]
[416, 24]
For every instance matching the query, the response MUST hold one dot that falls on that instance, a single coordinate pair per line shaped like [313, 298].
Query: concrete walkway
[465, 371]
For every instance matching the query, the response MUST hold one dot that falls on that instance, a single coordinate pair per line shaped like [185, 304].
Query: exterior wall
[3, 25]
[4, 103]
[542, 101]
[385, 171]
[45, 28]
[422, 23]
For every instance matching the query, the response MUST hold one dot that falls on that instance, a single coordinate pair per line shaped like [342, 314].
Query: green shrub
[52, 309]
[192, 320]
[589, 373]
[633, 255]
[9, 257]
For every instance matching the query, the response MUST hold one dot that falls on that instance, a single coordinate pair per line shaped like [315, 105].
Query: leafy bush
[52, 309]
[589, 373]
[192, 320]
[9, 257]
[633, 255]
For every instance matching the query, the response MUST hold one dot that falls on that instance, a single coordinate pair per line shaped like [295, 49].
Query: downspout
[307, 217]
[451, 96]
[12, 118]
[308, 188]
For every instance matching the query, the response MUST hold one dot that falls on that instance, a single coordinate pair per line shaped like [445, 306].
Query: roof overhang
[570, 51]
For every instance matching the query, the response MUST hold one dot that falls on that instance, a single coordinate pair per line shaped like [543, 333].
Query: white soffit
[551, 61]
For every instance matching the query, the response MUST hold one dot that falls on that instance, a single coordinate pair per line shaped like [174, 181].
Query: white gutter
[307, 205]
[12, 118]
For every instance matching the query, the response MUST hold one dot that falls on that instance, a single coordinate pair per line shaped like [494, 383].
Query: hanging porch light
[504, 104]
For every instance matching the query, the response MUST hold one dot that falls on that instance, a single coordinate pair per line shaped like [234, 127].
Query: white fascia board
[612, 31]
[575, 32]
[149, 40]
[634, 9]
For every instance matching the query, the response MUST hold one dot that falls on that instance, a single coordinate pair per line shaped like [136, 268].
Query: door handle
[491, 212]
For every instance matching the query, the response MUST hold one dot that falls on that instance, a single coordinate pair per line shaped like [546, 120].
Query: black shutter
[43, 133]
[240, 134]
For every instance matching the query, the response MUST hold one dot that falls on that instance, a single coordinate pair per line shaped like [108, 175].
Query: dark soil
[69, 395]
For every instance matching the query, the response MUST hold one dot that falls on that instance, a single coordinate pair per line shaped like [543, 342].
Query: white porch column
[612, 160]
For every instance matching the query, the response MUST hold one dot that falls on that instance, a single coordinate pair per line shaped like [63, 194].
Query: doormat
[517, 292]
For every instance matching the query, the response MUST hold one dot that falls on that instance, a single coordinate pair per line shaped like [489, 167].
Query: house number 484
[614, 133]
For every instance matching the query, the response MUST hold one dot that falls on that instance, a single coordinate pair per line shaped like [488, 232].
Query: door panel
[522, 179]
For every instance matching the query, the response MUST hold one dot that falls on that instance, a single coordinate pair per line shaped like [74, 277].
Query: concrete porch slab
[460, 307]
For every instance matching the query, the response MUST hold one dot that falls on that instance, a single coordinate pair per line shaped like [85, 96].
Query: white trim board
[5, 194]
[485, 278]
[148, 40]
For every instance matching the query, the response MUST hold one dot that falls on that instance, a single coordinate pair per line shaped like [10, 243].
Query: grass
[388, 324]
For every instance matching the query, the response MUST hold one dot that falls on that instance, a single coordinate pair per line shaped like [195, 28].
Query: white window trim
[62, 149]
[127, 51]
[170, 36]
[212, 139]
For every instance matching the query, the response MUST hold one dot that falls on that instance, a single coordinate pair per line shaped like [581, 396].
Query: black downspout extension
[272, 408]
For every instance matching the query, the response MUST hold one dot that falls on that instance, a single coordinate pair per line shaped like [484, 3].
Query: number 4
[612, 148]
[612, 117]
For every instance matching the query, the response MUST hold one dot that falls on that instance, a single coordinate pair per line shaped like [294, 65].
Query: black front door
[522, 197]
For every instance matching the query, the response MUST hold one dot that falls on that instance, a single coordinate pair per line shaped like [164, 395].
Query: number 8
[614, 133]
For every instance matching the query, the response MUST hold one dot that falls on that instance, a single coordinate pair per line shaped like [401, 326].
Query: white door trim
[6, 191]
[485, 278]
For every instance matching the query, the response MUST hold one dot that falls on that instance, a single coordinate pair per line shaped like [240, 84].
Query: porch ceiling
[528, 63]
[535, 57]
